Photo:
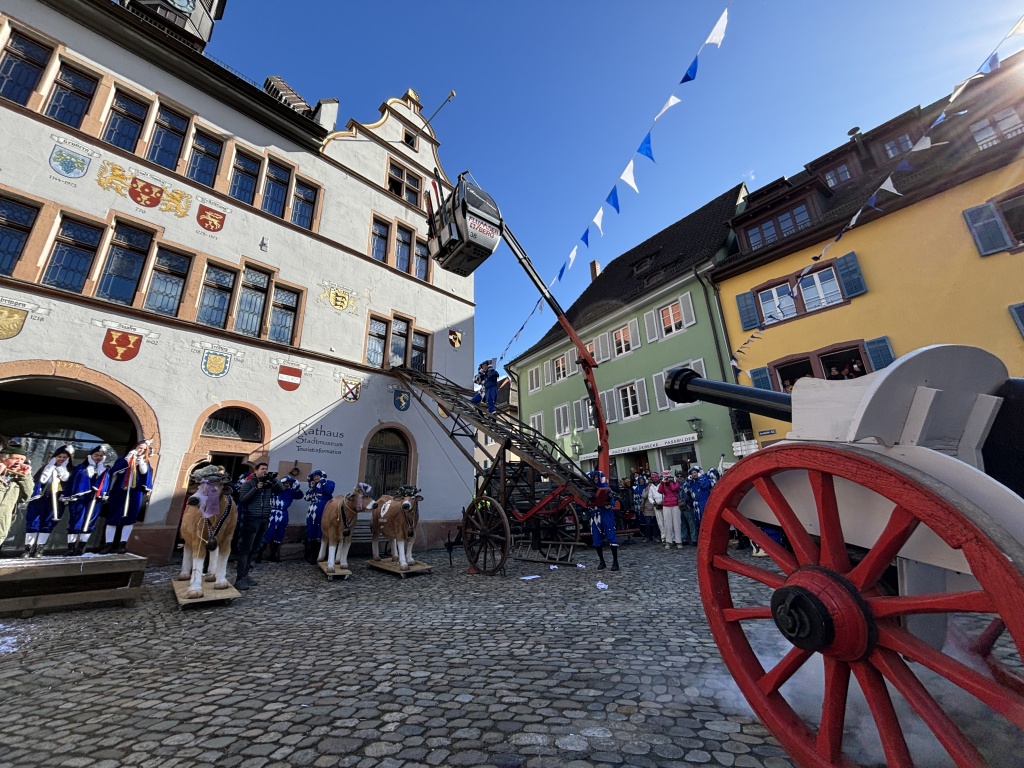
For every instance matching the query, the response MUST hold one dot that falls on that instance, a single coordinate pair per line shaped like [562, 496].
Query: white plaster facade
[348, 167]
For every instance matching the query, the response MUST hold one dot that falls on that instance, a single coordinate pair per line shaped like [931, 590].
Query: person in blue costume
[602, 520]
[131, 481]
[487, 377]
[700, 486]
[274, 536]
[321, 490]
[88, 490]
[46, 505]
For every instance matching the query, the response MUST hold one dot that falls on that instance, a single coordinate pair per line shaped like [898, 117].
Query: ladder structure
[538, 491]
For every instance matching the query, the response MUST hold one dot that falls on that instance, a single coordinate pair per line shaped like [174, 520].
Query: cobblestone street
[437, 669]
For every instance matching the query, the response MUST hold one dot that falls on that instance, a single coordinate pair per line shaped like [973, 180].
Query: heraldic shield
[121, 345]
[402, 400]
[289, 377]
[216, 364]
[11, 322]
[145, 194]
[350, 390]
[455, 338]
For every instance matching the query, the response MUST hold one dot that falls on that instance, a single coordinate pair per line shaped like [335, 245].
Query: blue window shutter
[748, 310]
[1017, 311]
[879, 352]
[989, 231]
[762, 378]
[850, 277]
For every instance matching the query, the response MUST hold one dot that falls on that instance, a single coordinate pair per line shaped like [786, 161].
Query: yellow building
[935, 254]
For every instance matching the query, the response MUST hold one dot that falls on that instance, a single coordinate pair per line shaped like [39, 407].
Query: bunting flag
[691, 72]
[561, 272]
[904, 165]
[672, 101]
[572, 256]
[645, 147]
[718, 33]
[888, 187]
[613, 199]
[598, 218]
[871, 202]
[991, 64]
[586, 237]
[627, 176]
[1018, 28]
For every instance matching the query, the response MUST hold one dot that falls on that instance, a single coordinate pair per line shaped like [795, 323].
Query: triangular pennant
[645, 147]
[871, 202]
[627, 176]
[806, 269]
[613, 199]
[562, 271]
[572, 256]
[888, 187]
[991, 63]
[598, 218]
[586, 237]
[904, 165]
[672, 101]
[923, 143]
[691, 73]
[1018, 28]
[718, 33]
[938, 120]
[853, 221]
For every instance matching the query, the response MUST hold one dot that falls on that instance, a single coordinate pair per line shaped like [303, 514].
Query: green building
[650, 310]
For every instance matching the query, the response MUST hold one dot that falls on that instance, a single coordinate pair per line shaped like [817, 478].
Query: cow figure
[396, 517]
[337, 523]
[207, 525]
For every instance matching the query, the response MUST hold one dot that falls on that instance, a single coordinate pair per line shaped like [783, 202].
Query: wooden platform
[339, 573]
[55, 583]
[393, 566]
[210, 595]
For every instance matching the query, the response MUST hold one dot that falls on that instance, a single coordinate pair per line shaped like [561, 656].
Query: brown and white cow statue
[397, 517]
[338, 521]
[207, 525]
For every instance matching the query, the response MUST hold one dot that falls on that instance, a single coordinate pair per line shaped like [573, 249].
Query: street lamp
[576, 446]
[695, 426]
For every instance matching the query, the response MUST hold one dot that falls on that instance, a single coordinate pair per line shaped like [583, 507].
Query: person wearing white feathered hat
[46, 505]
[131, 481]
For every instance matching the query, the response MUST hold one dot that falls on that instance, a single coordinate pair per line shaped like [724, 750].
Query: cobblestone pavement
[433, 670]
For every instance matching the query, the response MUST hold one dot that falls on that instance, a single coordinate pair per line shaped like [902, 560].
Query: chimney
[284, 93]
[326, 113]
[595, 270]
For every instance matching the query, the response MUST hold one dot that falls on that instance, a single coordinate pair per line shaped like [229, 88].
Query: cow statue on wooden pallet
[207, 525]
[338, 521]
[396, 517]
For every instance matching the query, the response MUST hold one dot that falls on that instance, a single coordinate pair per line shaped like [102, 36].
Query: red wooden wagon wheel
[828, 606]
[559, 533]
[486, 536]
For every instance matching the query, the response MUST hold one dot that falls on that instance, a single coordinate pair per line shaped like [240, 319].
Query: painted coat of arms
[216, 364]
[145, 194]
[455, 337]
[289, 377]
[210, 219]
[350, 390]
[11, 322]
[121, 345]
[402, 400]
[68, 163]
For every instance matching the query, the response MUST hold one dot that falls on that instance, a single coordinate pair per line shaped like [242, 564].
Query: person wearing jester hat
[131, 479]
[321, 490]
[274, 536]
[602, 520]
[46, 504]
[88, 490]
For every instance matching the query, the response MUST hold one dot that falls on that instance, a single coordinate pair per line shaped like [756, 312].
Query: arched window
[387, 461]
[233, 424]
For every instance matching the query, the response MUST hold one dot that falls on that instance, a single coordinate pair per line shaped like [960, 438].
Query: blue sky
[553, 99]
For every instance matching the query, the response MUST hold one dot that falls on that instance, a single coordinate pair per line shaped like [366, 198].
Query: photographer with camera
[15, 484]
[256, 494]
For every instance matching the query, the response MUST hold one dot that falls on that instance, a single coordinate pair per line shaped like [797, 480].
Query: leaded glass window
[233, 424]
[275, 190]
[168, 138]
[125, 259]
[72, 94]
[215, 298]
[72, 256]
[202, 165]
[251, 302]
[167, 283]
[20, 68]
[375, 341]
[124, 124]
[16, 222]
[243, 178]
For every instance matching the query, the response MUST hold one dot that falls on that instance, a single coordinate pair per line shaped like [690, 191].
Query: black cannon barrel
[686, 386]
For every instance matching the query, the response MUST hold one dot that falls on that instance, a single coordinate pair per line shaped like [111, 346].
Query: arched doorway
[233, 424]
[45, 411]
[387, 461]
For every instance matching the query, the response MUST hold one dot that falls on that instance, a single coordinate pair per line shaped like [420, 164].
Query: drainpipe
[714, 325]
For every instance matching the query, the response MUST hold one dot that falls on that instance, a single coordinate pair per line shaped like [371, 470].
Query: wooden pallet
[56, 583]
[393, 566]
[210, 595]
[339, 573]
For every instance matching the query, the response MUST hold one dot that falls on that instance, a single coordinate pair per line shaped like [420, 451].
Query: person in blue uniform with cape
[131, 481]
[46, 504]
[88, 490]
[321, 490]
[279, 504]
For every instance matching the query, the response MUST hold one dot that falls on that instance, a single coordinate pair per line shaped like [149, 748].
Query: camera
[270, 477]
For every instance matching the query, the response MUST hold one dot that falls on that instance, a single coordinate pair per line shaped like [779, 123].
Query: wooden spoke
[896, 671]
[954, 602]
[784, 559]
[833, 710]
[769, 579]
[743, 614]
[894, 744]
[777, 676]
[833, 545]
[899, 528]
[803, 545]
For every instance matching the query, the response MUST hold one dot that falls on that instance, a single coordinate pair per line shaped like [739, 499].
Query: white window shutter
[601, 347]
[547, 373]
[577, 414]
[659, 391]
[612, 411]
[641, 396]
[634, 333]
[698, 366]
[686, 309]
[651, 323]
[571, 367]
